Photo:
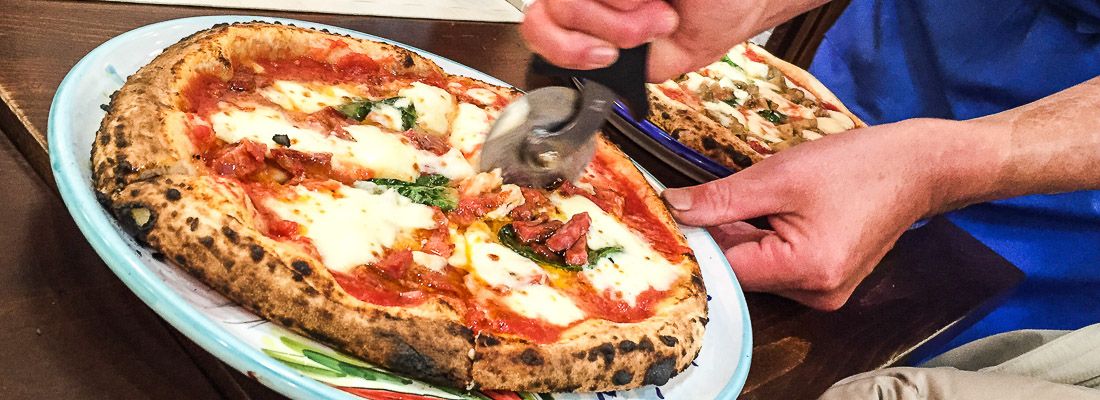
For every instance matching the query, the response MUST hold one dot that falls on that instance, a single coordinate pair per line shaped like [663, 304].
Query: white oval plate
[286, 362]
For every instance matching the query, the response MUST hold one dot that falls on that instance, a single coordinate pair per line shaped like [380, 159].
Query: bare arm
[686, 34]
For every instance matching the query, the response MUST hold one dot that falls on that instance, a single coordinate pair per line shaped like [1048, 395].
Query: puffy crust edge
[200, 225]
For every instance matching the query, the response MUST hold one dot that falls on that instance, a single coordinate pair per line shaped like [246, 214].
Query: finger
[734, 198]
[625, 29]
[668, 59]
[732, 234]
[764, 265]
[824, 301]
[562, 47]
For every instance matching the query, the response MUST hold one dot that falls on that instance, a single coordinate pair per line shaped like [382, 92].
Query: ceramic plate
[286, 362]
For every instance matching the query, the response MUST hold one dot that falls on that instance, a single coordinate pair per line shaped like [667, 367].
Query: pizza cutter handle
[626, 77]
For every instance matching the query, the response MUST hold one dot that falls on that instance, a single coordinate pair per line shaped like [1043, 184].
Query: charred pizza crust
[146, 173]
[702, 133]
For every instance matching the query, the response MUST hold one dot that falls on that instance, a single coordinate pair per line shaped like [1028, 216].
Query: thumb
[734, 198]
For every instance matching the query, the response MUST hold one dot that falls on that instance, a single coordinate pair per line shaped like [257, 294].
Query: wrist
[965, 161]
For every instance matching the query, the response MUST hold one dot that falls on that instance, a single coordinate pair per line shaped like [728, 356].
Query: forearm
[1049, 146]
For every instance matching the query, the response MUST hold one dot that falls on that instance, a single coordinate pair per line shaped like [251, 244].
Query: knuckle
[831, 302]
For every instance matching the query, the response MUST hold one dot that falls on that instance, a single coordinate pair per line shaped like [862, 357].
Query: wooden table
[72, 330]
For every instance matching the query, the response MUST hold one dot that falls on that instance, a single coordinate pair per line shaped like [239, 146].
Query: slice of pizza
[746, 107]
[328, 184]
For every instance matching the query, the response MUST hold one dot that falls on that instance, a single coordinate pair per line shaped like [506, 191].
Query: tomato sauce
[635, 212]
[496, 319]
[606, 306]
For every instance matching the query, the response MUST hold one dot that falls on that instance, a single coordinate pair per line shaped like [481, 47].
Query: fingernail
[678, 199]
[599, 57]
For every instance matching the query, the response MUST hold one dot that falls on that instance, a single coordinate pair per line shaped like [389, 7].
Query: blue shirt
[894, 60]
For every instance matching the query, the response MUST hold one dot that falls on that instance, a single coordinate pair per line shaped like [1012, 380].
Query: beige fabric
[1021, 365]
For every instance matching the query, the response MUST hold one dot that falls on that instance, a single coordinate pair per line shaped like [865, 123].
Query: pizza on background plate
[746, 107]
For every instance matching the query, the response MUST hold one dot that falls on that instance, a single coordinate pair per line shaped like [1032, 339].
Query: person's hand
[685, 34]
[837, 205]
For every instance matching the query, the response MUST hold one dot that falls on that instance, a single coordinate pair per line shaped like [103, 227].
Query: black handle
[626, 77]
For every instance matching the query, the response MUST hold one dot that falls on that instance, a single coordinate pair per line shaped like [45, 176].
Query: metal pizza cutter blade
[547, 136]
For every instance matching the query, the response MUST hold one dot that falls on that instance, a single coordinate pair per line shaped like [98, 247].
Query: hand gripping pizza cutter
[547, 136]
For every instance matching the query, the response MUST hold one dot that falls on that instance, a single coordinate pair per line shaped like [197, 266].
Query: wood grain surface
[99, 341]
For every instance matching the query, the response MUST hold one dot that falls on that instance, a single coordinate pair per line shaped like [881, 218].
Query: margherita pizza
[328, 184]
[747, 106]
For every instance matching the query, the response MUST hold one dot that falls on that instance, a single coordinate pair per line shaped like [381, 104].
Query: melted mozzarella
[513, 198]
[723, 70]
[723, 113]
[753, 69]
[352, 226]
[761, 127]
[308, 99]
[470, 128]
[434, 106]
[544, 303]
[628, 273]
[836, 122]
[386, 154]
[430, 261]
[694, 81]
[388, 116]
[496, 264]
[482, 95]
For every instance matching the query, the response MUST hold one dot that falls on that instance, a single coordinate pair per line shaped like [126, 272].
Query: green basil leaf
[726, 59]
[732, 102]
[596, 255]
[431, 190]
[773, 116]
[507, 237]
[356, 109]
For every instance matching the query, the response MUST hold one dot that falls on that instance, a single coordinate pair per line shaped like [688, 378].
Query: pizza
[746, 107]
[328, 184]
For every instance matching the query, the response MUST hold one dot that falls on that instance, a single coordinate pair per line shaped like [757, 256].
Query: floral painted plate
[287, 362]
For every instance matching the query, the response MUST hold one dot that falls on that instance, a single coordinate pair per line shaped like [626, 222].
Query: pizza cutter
[548, 135]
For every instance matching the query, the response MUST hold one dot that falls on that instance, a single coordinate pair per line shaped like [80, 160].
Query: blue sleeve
[1084, 13]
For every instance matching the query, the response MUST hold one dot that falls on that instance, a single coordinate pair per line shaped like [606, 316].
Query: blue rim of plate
[81, 203]
[656, 133]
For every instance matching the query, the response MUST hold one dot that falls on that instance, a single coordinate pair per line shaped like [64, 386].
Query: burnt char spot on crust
[660, 371]
[627, 346]
[487, 340]
[530, 357]
[408, 62]
[622, 377]
[664, 115]
[192, 223]
[709, 143]
[645, 344]
[128, 214]
[123, 167]
[704, 320]
[579, 355]
[404, 358]
[172, 194]
[741, 160]
[675, 134]
[206, 241]
[181, 260]
[669, 341]
[302, 267]
[120, 136]
[459, 330]
[230, 234]
[605, 351]
[256, 252]
[158, 256]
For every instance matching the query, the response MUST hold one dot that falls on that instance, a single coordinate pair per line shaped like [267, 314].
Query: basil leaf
[431, 190]
[359, 108]
[773, 116]
[596, 255]
[507, 237]
[726, 59]
[356, 109]
[732, 102]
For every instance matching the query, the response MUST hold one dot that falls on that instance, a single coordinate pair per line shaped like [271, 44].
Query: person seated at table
[974, 102]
